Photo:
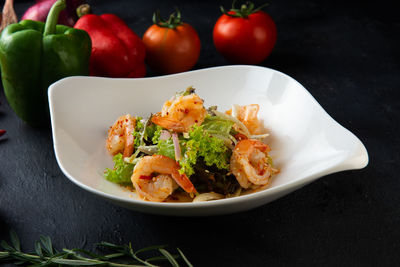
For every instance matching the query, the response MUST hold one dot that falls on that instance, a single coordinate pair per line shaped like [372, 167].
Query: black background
[346, 53]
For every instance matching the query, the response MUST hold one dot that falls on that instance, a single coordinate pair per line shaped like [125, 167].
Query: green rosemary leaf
[169, 257]
[150, 248]
[110, 246]
[47, 246]
[184, 258]
[114, 255]
[6, 246]
[94, 255]
[161, 258]
[23, 257]
[77, 262]
[133, 255]
[44, 263]
[38, 249]
[15, 240]
[4, 254]
[61, 255]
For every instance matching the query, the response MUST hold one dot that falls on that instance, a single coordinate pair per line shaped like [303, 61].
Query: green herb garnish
[121, 173]
[120, 255]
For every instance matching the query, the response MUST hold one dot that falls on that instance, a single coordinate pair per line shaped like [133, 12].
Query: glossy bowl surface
[306, 142]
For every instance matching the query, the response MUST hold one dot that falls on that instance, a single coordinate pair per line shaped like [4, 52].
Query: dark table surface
[345, 53]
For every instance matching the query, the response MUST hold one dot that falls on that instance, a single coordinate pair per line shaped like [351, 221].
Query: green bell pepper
[34, 55]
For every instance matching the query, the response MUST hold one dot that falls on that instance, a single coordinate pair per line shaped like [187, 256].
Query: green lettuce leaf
[166, 148]
[121, 173]
[154, 136]
[200, 144]
[217, 125]
[136, 133]
[151, 133]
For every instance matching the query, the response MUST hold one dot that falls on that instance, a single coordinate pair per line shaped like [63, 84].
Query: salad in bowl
[187, 153]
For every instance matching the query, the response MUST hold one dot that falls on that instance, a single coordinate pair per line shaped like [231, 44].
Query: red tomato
[171, 48]
[246, 40]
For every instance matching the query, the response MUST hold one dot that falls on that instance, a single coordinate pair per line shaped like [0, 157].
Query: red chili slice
[145, 177]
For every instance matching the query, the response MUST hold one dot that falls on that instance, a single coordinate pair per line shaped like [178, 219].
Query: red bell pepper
[116, 50]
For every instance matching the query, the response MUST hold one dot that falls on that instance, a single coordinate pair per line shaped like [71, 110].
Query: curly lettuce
[137, 132]
[166, 148]
[121, 173]
[199, 144]
[155, 134]
[150, 131]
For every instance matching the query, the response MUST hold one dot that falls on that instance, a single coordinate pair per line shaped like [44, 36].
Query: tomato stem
[174, 20]
[244, 11]
[83, 10]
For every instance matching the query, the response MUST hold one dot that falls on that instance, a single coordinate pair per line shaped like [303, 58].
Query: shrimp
[156, 177]
[249, 163]
[248, 115]
[120, 138]
[180, 113]
[157, 188]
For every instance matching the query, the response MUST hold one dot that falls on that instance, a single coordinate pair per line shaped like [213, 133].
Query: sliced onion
[132, 160]
[233, 139]
[259, 136]
[148, 149]
[165, 135]
[235, 109]
[235, 120]
[208, 197]
[177, 147]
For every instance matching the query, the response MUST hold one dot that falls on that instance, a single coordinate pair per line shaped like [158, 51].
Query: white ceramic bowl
[306, 142]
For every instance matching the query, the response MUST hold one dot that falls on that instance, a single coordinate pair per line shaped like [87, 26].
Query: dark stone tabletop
[346, 53]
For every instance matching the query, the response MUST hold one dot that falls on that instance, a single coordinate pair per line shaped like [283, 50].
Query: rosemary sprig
[121, 255]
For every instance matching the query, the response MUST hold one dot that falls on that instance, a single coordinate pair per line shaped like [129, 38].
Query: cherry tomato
[245, 35]
[171, 46]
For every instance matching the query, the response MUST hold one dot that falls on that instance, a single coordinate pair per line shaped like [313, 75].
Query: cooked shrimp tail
[184, 182]
[168, 123]
[156, 177]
